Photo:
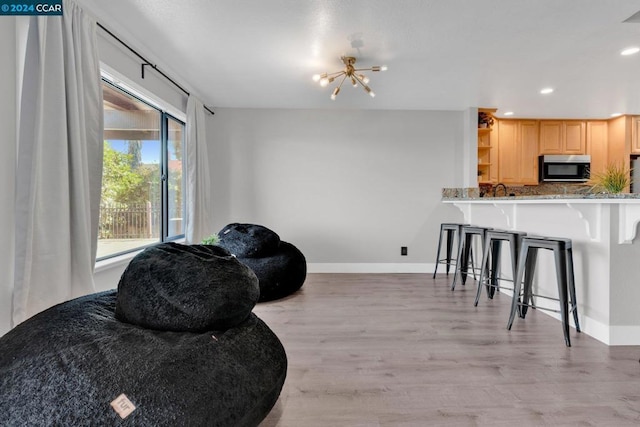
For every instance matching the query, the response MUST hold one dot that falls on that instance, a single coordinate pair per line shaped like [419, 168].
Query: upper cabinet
[518, 151]
[597, 145]
[562, 137]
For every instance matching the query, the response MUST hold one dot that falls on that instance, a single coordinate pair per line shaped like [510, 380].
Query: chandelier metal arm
[336, 91]
[336, 74]
[342, 81]
[364, 85]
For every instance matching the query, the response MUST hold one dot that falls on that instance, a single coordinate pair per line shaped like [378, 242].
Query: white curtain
[59, 169]
[198, 222]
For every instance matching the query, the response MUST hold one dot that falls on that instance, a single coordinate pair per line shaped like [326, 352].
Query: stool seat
[449, 230]
[563, 255]
[492, 249]
[464, 251]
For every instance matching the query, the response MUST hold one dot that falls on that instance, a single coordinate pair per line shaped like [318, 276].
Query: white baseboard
[625, 335]
[370, 268]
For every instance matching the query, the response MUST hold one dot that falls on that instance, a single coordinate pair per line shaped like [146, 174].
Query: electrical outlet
[403, 250]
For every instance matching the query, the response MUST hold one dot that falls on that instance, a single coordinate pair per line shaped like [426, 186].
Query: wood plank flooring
[403, 350]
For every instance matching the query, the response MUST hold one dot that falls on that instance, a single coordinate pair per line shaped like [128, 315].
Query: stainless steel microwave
[561, 168]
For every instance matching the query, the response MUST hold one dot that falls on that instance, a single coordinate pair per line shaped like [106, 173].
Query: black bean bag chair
[178, 339]
[281, 268]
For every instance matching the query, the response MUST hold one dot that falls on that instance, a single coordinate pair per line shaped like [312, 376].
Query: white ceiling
[441, 54]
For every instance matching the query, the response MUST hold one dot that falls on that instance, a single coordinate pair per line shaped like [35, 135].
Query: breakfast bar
[603, 229]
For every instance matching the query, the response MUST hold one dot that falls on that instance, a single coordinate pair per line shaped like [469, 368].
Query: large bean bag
[177, 340]
[280, 267]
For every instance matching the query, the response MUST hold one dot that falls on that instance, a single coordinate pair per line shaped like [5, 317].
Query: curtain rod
[147, 63]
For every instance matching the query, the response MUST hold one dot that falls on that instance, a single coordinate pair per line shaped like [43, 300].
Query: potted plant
[613, 180]
[485, 120]
[212, 239]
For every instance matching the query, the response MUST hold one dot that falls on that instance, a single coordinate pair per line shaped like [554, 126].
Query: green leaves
[125, 180]
[614, 179]
[213, 239]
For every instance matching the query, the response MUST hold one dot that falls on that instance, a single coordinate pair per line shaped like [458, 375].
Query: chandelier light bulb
[383, 68]
[324, 82]
[364, 78]
[335, 93]
[369, 91]
[316, 77]
[354, 82]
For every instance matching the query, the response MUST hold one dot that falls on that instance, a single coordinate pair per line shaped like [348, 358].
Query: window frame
[165, 116]
[164, 178]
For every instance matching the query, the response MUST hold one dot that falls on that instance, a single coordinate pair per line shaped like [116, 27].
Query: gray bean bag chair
[178, 339]
[281, 268]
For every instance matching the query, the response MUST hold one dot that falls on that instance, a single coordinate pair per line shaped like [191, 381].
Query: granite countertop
[551, 197]
[515, 194]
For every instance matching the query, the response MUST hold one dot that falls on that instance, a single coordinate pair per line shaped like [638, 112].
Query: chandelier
[350, 72]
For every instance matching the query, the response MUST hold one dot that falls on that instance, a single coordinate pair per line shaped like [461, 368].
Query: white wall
[7, 164]
[348, 188]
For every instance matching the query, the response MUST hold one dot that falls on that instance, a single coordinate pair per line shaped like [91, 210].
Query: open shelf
[486, 151]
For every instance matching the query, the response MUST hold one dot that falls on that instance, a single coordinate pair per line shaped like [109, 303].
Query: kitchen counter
[603, 197]
[606, 252]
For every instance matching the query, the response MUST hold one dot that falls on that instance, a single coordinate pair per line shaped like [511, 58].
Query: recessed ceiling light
[546, 90]
[630, 51]
[508, 113]
[616, 114]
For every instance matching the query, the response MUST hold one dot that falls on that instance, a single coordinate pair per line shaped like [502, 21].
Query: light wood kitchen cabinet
[518, 151]
[597, 142]
[562, 137]
[635, 135]
[529, 152]
[487, 151]
[487, 157]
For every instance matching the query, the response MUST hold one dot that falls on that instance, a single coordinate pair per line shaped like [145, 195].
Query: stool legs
[450, 235]
[496, 250]
[492, 247]
[517, 285]
[572, 288]
[450, 247]
[435, 270]
[563, 259]
[463, 260]
[561, 274]
[465, 253]
[529, 269]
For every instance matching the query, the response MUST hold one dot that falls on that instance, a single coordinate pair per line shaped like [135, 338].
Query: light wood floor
[403, 350]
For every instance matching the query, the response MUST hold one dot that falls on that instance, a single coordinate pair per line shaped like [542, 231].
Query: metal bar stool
[464, 251]
[492, 250]
[451, 230]
[563, 255]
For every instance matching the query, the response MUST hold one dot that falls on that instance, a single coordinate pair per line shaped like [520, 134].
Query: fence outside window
[129, 221]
